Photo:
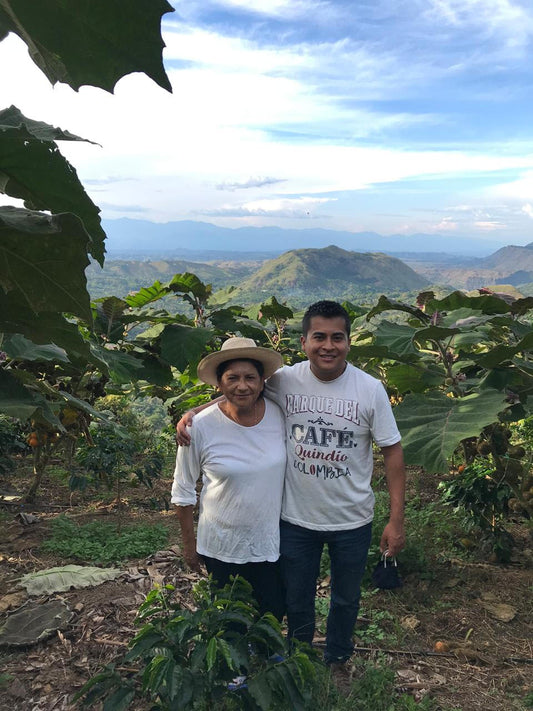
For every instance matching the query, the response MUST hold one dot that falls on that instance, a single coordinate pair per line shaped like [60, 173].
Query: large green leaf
[34, 170]
[501, 353]
[42, 328]
[155, 371]
[434, 333]
[459, 300]
[19, 348]
[147, 295]
[123, 367]
[414, 378]
[397, 338]
[272, 309]
[92, 42]
[433, 425]
[189, 283]
[14, 125]
[230, 321]
[43, 258]
[386, 304]
[182, 346]
[20, 402]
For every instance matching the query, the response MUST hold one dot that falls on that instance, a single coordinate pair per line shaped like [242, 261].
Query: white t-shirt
[242, 471]
[330, 428]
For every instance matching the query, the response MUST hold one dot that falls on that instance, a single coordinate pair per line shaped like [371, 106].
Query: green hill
[120, 276]
[331, 272]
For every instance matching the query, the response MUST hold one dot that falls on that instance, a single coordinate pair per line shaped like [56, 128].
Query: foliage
[455, 365]
[11, 442]
[97, 30]
[432, 534]
[116, 453]
[102, 542]
[482, 493]
[186, 658]
[373, 687]
[39, 294]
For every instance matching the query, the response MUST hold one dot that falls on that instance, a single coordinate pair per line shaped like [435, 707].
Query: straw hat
[236, 349]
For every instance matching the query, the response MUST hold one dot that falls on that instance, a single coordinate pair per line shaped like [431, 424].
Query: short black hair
[325, 309]
[222, 367]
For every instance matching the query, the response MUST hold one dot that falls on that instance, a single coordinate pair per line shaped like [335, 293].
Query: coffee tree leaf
[22, 403]
[34, 170]
[117, 39]
[432, 425]
[42, 328]
[63, 578]
[18, 347]
[397, 338]
[182, 346]
[147, 295]
[43, 259]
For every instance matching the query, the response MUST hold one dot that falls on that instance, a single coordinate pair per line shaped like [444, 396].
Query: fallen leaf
[409, 622]
[35, 622]
[407, 675]
[499, 610]
[12, 601]
[60, 579]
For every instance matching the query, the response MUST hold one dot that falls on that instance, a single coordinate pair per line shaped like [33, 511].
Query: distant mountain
[140, 237]
[511, 265]
[120, 276]
[331, 272]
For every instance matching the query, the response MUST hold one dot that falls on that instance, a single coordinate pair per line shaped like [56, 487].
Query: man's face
[326, 344]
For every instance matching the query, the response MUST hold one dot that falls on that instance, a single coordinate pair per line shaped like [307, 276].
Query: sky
[393, 116]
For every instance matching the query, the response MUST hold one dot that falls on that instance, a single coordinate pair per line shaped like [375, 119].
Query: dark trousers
[301, 550]
[264, 577]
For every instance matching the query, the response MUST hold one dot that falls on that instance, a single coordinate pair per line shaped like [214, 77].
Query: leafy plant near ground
[186, 658]
[482, 493]
[372, 688]
[432, 533]
[103, 542]
[115, 456]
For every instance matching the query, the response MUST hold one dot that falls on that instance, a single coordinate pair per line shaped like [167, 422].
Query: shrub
[186, 658]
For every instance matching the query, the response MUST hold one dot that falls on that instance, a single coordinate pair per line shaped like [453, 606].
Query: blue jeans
[301, 550]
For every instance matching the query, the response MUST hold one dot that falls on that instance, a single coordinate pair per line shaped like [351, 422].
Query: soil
[487, 663]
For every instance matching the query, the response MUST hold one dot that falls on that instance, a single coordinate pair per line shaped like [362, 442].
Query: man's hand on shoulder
[183, 437]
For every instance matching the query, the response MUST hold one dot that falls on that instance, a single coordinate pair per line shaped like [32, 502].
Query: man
[333, 413]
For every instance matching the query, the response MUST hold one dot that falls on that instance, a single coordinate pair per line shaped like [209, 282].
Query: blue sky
[394, 116]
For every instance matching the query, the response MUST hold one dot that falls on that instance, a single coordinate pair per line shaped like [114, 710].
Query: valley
[301, 275]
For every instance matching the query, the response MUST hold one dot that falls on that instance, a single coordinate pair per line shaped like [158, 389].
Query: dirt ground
[488, 663]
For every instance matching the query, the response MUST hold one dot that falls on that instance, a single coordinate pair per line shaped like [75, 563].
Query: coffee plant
[187, 658]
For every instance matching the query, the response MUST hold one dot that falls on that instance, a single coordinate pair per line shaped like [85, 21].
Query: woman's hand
[192, 559]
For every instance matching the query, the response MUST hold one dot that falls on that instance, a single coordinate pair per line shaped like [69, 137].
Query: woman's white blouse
[242, 470]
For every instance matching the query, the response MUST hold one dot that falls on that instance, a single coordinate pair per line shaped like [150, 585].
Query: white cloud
[507, 19]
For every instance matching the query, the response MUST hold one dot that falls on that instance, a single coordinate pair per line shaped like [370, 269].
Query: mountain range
[186, 238]
[330, 272]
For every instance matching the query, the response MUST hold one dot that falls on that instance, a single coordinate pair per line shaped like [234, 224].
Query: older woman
[238, 446]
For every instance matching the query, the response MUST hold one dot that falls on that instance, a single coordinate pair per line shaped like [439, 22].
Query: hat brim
[207, 367]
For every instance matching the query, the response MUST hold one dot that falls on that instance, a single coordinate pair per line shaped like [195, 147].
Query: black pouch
[385, 574]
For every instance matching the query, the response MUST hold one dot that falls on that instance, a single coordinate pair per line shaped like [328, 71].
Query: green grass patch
[104, 542]
[373, 687]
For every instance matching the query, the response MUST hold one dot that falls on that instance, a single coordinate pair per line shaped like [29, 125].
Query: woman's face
[241, 384]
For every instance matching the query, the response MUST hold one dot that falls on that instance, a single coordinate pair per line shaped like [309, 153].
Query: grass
[103, 542]
[373, 687]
